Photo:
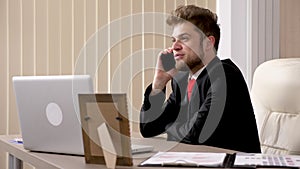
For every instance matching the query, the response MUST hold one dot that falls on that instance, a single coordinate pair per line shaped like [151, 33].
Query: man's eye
[184, 38]
[181, 38]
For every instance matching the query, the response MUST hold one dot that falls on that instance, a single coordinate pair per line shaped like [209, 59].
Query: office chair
[275, 95]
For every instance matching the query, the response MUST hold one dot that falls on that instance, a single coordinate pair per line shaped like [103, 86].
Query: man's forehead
[184, 28]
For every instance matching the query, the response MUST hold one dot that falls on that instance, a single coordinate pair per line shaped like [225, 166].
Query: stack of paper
[204, 159]
[186, 159]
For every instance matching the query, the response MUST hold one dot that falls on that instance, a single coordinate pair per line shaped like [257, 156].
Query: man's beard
[182, 66]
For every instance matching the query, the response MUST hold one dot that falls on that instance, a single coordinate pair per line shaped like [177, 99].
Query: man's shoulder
[229, 66]
[229, 63]
[226, 65]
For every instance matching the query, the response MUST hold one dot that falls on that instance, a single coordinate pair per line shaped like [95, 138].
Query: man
[217, 109]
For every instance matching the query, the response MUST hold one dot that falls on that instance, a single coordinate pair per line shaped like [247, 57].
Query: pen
[18, 140]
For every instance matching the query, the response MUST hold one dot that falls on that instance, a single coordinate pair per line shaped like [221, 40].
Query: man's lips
[178, 56]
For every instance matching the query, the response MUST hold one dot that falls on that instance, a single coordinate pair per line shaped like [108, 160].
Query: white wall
[249, 32]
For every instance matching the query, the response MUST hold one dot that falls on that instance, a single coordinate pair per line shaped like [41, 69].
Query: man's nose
[177, 45]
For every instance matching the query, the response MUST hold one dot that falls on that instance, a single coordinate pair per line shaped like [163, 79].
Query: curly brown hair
[202, 18]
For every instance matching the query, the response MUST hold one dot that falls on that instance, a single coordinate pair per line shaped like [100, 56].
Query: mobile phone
[168, 61]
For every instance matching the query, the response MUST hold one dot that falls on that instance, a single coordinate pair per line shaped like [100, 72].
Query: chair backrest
[275, 95]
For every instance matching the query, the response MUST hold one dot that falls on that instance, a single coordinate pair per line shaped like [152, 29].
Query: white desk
[18, 155]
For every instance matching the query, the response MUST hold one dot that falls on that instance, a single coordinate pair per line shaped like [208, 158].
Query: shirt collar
[195, 75]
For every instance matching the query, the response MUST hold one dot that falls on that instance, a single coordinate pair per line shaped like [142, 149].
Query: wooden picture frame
[96, 109]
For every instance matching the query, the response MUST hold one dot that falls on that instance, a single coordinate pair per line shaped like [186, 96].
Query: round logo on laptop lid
[54, 114]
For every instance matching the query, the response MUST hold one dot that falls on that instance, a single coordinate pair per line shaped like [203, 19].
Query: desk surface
[57, 161]
[49, 161]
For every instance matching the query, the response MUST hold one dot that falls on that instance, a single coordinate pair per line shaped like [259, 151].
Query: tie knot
[190, 87]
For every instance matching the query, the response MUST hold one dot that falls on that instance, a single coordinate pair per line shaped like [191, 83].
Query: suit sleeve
[156, 114]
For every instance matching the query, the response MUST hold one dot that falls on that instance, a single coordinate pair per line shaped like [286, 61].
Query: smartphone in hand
[168, 61]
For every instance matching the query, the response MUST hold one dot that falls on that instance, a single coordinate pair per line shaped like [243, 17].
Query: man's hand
[161, 76]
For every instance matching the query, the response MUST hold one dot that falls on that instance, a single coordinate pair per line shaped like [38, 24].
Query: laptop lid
[49, 112]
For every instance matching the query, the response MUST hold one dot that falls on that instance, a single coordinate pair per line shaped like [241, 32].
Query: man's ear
[210, 43]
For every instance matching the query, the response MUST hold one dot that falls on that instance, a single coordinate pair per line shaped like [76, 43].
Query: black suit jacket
[219, 114]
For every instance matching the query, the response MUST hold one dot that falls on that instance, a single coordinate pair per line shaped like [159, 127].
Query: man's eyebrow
[180, 35]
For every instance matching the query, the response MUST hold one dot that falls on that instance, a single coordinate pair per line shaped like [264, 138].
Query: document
[196, 159]
[266, 160]
[237, 160]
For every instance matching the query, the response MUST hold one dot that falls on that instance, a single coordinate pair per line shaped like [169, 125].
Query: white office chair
[275, 96]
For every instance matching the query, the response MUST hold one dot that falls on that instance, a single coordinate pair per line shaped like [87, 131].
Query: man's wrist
[155, 91]
[157, 88]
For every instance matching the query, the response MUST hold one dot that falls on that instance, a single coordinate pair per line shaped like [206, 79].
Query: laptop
[49, 112]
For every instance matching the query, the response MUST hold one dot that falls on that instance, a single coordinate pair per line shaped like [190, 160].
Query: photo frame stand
[105, 129]
[108, 148]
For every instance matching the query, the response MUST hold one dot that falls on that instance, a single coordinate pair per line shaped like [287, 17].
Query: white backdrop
[249, 32]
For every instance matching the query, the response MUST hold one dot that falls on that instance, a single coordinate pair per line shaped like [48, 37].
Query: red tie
[190, 87]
